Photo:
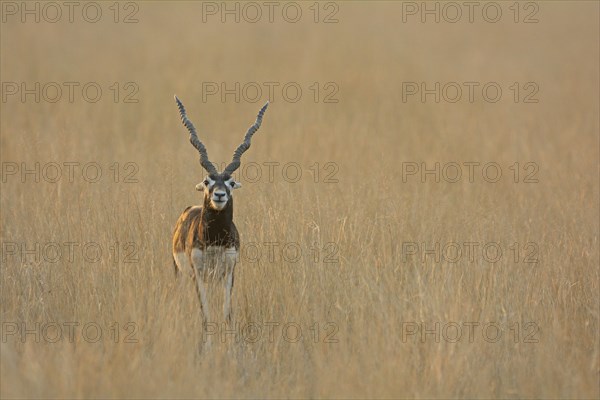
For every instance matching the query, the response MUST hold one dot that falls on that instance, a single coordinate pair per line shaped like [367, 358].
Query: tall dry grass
[372, 293]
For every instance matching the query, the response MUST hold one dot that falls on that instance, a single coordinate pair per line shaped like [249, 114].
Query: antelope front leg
[198, 263]
[231, 255]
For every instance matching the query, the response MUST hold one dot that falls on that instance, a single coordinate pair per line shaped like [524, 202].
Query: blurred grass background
[371, 291]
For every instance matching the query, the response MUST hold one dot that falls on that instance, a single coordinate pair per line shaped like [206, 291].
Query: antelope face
[217, 190]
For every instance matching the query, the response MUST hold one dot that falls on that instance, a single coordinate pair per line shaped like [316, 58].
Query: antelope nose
[220, 195]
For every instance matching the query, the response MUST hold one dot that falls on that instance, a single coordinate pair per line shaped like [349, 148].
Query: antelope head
[218, 186]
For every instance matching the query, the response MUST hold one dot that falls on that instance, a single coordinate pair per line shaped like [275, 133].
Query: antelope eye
[206, 182]
[232, 183]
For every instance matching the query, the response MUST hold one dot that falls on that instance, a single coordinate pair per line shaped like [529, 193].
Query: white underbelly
[215, 261]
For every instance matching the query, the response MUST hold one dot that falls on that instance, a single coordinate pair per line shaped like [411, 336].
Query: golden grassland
[359, 213]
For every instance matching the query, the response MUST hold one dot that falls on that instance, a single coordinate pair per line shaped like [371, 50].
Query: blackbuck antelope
[205, 240]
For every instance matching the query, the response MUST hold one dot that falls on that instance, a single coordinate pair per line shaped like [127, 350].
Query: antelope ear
[200, 187]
